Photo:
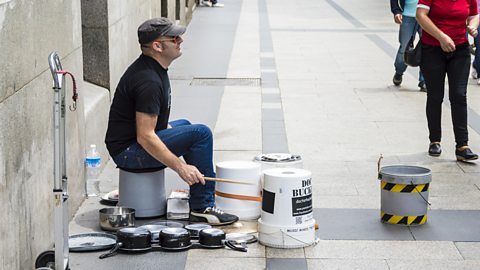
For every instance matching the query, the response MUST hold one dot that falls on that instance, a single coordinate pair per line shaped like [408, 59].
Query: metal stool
[145, 192]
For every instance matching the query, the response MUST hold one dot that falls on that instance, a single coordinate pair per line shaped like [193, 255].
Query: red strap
[75, 94]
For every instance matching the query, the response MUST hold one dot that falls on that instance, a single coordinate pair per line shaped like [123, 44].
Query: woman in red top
[445, 52]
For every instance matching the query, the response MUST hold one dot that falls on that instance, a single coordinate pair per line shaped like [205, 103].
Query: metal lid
[91, 241]
[241, 237]
[278, 157]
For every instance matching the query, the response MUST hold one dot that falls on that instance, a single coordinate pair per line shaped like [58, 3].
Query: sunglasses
[175, 39]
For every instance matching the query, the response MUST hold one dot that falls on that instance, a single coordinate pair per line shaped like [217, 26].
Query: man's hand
[398, 18]
[447, 43]
[190, 175]
[472, 31]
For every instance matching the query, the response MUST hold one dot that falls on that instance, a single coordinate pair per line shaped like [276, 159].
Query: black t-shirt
[144, 87]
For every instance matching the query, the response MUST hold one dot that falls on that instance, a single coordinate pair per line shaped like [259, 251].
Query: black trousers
[435, 65]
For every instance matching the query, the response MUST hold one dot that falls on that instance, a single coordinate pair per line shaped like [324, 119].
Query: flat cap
[157, 27]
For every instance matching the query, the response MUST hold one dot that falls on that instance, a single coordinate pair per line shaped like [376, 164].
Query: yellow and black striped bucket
[404, 194]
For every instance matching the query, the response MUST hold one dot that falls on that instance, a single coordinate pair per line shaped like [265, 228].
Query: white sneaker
[218, 5]
[206, 3]
[474, 73]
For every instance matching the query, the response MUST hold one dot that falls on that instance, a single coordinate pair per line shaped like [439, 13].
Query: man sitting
[139, 136]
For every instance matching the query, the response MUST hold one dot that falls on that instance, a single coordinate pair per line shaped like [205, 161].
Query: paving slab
[407, 250]
[346, 264]
[286, 264]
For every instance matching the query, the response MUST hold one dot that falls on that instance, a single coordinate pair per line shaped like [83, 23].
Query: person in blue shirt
[476, 60]
[404, 14]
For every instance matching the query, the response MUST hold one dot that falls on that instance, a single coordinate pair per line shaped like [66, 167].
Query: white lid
[287, 172]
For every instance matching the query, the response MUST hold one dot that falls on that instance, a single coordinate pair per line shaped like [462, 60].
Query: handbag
[413, 55]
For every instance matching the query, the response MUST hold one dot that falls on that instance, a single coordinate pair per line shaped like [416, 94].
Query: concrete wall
[29, 31]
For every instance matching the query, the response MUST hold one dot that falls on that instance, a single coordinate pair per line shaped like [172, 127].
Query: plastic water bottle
[92, 164]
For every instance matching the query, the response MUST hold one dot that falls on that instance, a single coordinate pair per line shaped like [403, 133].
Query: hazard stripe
[404, 188]
[405, 220]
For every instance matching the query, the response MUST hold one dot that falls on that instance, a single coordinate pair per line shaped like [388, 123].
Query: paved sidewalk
[325, 68]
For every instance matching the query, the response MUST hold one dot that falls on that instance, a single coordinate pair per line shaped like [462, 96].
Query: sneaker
[474, 72]
[207, 3]
[423, 86]
[465, 154]
[218, 5]
[212, 216]
[397, 79]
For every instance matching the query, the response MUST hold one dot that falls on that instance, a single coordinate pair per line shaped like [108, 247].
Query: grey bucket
[144, 192]
[404, 194]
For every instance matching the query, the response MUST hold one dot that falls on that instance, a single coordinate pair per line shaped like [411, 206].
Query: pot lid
[170, 224]
[91, 241]
[241, 237]
[153, 228]
[277, 157]
[175, 232]
[198, 227]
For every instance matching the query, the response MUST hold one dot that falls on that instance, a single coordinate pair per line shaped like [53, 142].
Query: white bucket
[243, 201]
[287, 210]
[279, 160]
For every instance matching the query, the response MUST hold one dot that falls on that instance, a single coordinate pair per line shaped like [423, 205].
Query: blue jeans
[194, 143]
[407, 28]
[476, 60]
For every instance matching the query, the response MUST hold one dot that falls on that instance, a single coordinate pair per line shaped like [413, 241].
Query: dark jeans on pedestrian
[192, 142]
[476, 60]
[407, 28]
[435, 65]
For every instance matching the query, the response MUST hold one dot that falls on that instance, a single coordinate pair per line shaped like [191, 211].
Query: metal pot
[155, 230]
[131, 239]
[215, 238]
[113, 219]
[194, 229]
[175, 239]
[211, 238]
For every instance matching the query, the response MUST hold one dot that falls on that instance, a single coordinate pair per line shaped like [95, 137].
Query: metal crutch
[58, 258]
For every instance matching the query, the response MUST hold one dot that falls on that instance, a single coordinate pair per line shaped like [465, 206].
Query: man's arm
[149, 140]
[395, 7]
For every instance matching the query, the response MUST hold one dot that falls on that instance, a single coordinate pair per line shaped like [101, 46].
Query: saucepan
[115, 218]
[215, 238]
[132, 240]
[175, 239]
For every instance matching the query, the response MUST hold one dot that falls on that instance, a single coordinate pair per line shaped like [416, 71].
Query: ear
[157, 46]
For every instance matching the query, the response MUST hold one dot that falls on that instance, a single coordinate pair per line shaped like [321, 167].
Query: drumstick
[227, 181]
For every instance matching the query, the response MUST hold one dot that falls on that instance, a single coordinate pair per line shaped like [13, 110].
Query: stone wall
[29, 31]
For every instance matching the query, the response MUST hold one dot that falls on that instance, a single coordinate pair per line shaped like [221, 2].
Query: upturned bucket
[404, 194]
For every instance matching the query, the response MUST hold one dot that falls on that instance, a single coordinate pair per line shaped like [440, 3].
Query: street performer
[140, 137]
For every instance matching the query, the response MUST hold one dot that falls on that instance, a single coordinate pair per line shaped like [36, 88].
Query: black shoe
[434, 149]
[212, 216]
[465, 155]
[397, 79]
[423, 86]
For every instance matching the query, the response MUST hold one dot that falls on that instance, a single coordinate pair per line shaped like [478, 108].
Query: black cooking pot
[131, 239]
[215, 238]
[175, 239]
[194, 229]
[212, 238]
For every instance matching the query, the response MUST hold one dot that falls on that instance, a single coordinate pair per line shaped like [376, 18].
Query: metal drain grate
[225, 82]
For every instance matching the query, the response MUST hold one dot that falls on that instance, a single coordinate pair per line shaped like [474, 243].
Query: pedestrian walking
[476, 59]
[404, 15]
[445, 52]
